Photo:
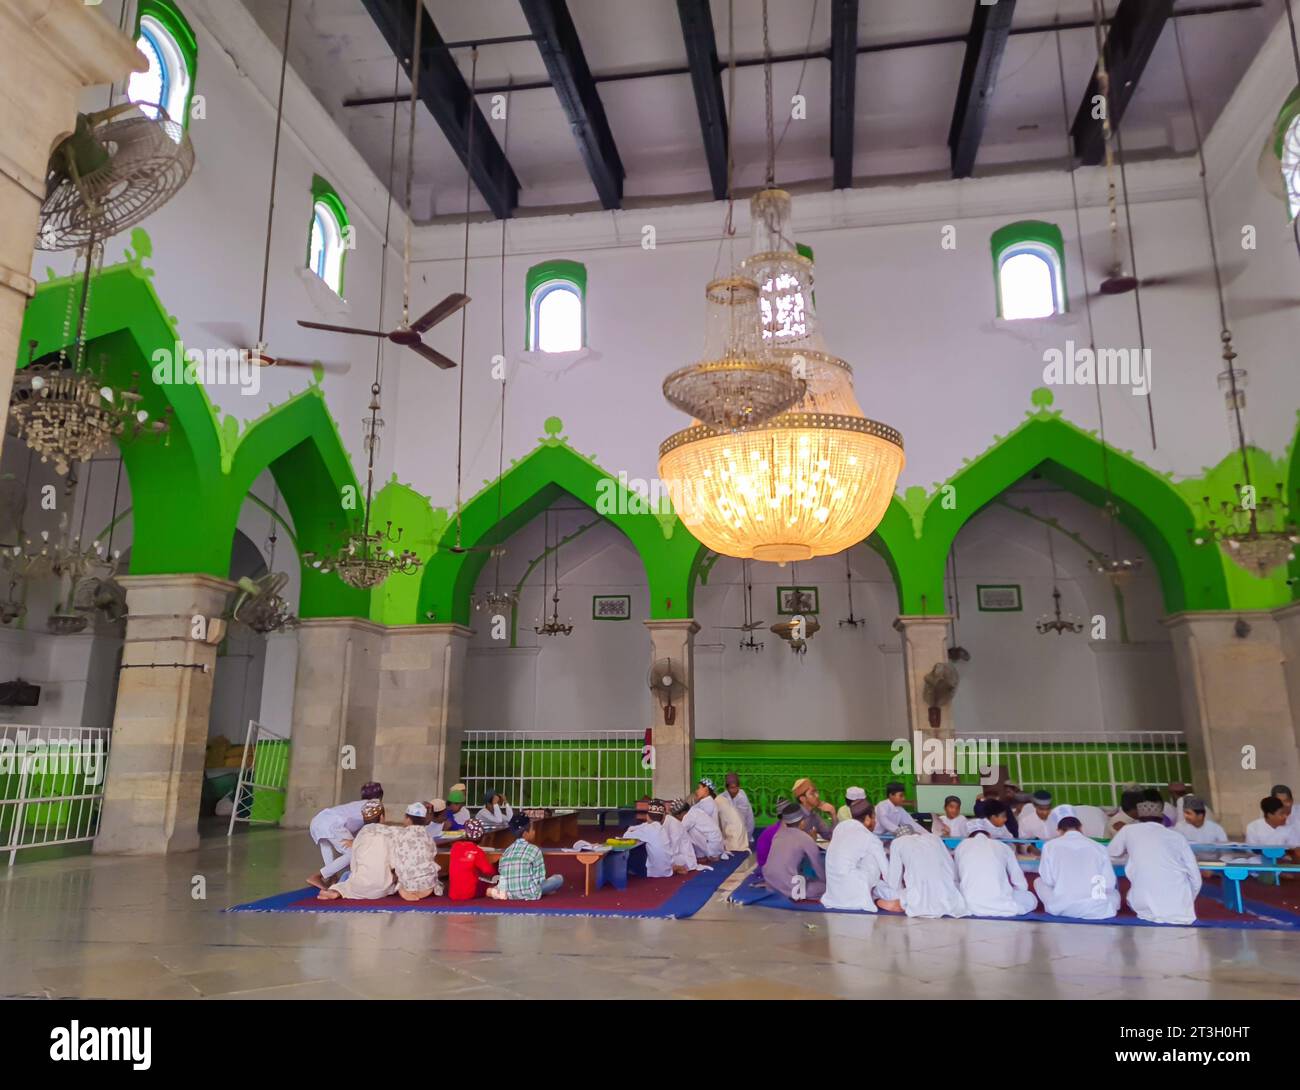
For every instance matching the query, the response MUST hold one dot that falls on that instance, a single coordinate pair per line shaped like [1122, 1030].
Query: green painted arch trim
[1293, 497]
[169, 15]
[324, 193]
[559, 270]
[202, 473]
[1288, 113]
[1019, 233]
[1191, 577]
[670, 555]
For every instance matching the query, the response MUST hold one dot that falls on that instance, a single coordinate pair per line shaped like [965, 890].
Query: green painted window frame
[324, 193]
[169, 15]
[545, 275]
[1286, 117]
[1033, 232]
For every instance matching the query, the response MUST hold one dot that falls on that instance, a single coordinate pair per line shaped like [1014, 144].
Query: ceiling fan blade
[341, 329]
[229, 332]
[1257, 308]
[439, 313]
[328, 368]
[433, 356]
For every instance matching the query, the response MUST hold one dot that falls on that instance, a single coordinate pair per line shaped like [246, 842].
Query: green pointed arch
[669, 553]
[201, 474]
[1191, 577]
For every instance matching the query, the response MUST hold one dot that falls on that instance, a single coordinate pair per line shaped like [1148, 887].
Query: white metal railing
[574, 769]
[1089, 767]
[51, 785]
[263, 778]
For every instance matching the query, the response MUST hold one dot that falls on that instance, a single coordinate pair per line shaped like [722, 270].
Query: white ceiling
[904, 108]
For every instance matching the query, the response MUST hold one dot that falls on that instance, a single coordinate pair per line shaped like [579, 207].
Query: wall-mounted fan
[116, 168]
[666, 682]
[938, 689]
[104, 595]
[260, 606]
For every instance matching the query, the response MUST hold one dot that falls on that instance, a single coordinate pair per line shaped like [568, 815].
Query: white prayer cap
[855, 794]
[417, 809]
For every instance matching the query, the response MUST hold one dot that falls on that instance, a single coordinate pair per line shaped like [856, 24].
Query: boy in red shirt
[468, 861]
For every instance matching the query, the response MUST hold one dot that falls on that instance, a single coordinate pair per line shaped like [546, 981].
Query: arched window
[168, 44]
[557, 307]
[328, 241]
[1291, 165]
[1029, 270]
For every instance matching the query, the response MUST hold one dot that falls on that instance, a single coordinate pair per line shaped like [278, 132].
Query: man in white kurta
[1271, 829]
[990, 878]
[1092, 820]
[1032, 818]
[680, 846]
[371, 874]
[701, 824]
[1075, 876]
[741, 802]
[856, 864]
[890, 814]
[1162, 872]
[1197, 827]
[734, 836]
[950, 823]
[923, 876]
[332, 831]
[648, 830]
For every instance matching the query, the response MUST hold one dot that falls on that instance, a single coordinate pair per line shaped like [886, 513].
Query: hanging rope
[1226, 334]
[275, 170]
[767, 92]
[471, 113]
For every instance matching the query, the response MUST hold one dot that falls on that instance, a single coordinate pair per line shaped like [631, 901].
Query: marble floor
[106, 927]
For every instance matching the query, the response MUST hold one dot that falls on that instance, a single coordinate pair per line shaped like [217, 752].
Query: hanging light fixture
[850, 620]
[1258, 533]
[65, 409]
[553, 626]
[498, 600]
[1056, 622]
[1114, 566]
[810, 481]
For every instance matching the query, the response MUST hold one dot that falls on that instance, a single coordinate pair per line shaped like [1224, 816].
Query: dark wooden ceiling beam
[447, 97]
[557, 40]
[706, 79]
[844, 79]
[1134, 31]
[989, 30]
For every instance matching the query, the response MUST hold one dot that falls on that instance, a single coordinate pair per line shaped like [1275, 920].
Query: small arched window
[1291, 165]
[557, 307]
[1029, 270]
[328, 241]
[168, 44]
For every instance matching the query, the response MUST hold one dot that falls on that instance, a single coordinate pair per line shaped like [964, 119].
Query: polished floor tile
[130, 927]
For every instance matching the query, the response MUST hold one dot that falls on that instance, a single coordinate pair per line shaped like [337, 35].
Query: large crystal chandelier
[738, 383]
[810, 481]
[367, 557]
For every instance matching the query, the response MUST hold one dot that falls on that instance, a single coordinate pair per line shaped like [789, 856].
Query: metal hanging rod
[784, 58]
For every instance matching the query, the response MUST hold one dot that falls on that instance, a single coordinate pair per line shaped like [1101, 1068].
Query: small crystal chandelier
[366, 557]
[797, 633]
[1056, 622]
[65, 410]
[552, 626]
[1258, 533]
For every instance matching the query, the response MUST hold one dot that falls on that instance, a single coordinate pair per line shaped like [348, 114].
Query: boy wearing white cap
[414, 856]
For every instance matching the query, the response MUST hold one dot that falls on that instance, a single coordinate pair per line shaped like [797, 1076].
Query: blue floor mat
[1259, 917]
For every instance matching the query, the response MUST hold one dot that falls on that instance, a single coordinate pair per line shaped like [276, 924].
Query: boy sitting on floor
[522, 867]
[468, 861]
[414, 856]
[372, 872]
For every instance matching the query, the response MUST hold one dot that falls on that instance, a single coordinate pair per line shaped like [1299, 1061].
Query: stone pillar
[335, 703]
[420, 723]
[1288, 625]
[49, 51]
[925, 643]
[674, 770]
[1234, 695]
[160, 725]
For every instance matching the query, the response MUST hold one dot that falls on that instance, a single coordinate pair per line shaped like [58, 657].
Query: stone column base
[674, 771]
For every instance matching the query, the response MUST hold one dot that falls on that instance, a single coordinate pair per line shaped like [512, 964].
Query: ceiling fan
[409, 336]
[750, 626]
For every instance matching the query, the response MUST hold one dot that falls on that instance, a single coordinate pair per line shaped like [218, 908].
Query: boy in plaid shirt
[522, 868]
